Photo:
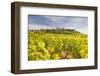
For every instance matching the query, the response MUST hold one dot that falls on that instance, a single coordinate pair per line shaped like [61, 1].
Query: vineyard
[57, 44]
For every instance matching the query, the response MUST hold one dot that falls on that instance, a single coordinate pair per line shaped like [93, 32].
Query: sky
[51, 22]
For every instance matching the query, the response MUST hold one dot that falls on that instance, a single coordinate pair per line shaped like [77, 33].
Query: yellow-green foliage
[48, 46]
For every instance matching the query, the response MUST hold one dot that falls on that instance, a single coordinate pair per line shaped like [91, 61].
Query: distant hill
[59, 31]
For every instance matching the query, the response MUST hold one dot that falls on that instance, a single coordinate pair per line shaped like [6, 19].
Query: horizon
[52, 22]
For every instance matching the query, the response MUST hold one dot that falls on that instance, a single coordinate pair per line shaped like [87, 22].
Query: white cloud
[37, 26]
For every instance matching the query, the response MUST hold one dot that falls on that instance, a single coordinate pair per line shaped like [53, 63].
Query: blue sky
[51, 22]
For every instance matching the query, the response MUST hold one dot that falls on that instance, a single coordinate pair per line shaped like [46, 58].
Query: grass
[43, 45]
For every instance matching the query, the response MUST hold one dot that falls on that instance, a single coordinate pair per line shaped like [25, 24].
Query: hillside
[55, 44]
[59, 31]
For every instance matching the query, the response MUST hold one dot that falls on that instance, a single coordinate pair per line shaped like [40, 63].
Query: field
[57, 44]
